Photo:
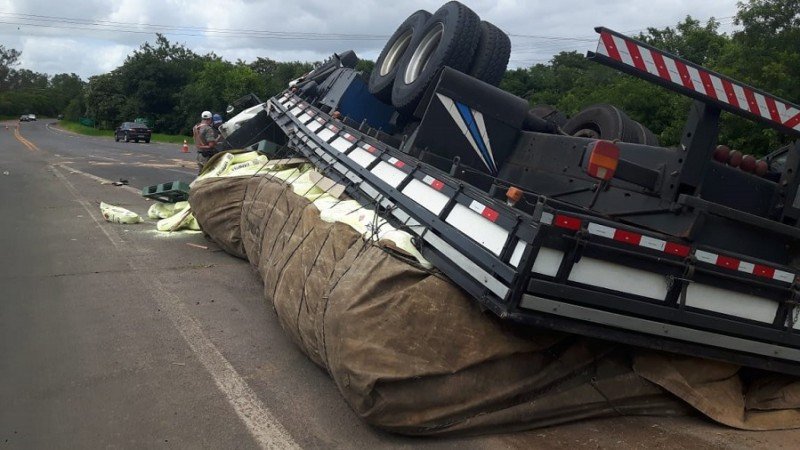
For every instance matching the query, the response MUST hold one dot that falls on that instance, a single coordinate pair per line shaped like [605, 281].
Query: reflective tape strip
[484, 210]
[630, 237]
[396, 162]
[433, 182]
[627, 51]
[759, 270]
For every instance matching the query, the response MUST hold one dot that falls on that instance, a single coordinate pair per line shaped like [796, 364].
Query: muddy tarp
[412, 353]
[220, 210]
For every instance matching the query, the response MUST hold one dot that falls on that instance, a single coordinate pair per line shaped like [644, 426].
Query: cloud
[92, 36]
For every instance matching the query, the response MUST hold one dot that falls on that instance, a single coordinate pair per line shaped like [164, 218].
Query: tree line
[169, 84]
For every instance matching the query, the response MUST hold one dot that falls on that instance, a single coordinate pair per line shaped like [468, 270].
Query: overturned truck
[585, 225]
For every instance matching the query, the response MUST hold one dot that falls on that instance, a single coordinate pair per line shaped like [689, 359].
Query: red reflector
[764, 271]
[490, 214]
[369, 148]
[627, 237]
[603, 159]
[570, 223]
[349, 137]
[438, 185]
[728, 263]
[676, 249]
[333, 128]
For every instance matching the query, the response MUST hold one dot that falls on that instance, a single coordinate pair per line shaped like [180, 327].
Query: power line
[146, 28]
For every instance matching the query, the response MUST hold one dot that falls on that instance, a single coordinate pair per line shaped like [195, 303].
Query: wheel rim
[422, 54]
[395, 52]
[587, 133]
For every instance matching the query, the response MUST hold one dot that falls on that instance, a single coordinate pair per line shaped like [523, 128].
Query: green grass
[75, 127]
[89, 131]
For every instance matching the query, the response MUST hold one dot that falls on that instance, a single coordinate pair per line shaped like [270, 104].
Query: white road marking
[263, 426]
[96, 178]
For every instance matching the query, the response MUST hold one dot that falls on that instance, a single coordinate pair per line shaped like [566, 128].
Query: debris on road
[117, 214]
[165, 210]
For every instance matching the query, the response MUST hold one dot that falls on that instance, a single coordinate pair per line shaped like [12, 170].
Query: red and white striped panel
[637, 239]
[484, 210]
[671, 248]
[736, 264]
[676, 71]
[433, 182]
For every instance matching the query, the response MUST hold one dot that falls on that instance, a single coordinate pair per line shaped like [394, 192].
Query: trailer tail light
[603, 159]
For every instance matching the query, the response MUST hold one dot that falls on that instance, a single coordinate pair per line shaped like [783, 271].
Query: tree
[215, 86]
[8, 59]
[277, 75]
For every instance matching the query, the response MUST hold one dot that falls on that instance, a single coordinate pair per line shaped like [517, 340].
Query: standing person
[205, 139]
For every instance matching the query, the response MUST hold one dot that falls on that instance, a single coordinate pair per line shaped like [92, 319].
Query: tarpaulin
[414, 354]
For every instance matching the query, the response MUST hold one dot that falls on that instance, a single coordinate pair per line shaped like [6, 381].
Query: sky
[91, 37]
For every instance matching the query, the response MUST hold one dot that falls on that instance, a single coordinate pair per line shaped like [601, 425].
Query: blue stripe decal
[466, 114]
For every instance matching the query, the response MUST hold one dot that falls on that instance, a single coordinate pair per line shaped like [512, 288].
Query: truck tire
[603, 122]
[382, 77]
[646, 136]
[448, 39]
[491, 56]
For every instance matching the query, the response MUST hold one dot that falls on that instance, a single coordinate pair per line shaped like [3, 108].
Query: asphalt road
[118, 336]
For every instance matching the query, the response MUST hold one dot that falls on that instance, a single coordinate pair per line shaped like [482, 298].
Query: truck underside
[660, 247]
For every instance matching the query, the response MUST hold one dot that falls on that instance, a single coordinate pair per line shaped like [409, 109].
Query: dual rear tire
[453, 36]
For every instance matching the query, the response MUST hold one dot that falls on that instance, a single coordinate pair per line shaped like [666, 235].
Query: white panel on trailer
[616, 277]
[361, 157]
[296, 111]
[428, 197]
[304, 118]
[389, 174]
[548, 261]
[325, 134]
[479, 228]
[314, 126]
[711, 298]
[516, 255]
[480, 275]
[341, 144]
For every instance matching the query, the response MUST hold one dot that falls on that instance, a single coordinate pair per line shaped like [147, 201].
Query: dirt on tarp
[412, 353]
[220, 210]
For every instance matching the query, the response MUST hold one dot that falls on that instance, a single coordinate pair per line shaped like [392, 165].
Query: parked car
[32, 117]
[132, 131]
[23, 118]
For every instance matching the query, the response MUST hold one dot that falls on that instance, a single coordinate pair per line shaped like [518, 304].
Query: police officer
[205, 139]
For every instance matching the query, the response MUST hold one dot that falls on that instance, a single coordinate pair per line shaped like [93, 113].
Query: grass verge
[89, 131]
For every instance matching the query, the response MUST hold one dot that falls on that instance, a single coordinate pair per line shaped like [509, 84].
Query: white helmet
[206, 115]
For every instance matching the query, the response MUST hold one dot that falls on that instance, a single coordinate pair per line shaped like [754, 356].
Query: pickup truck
[584, 225]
